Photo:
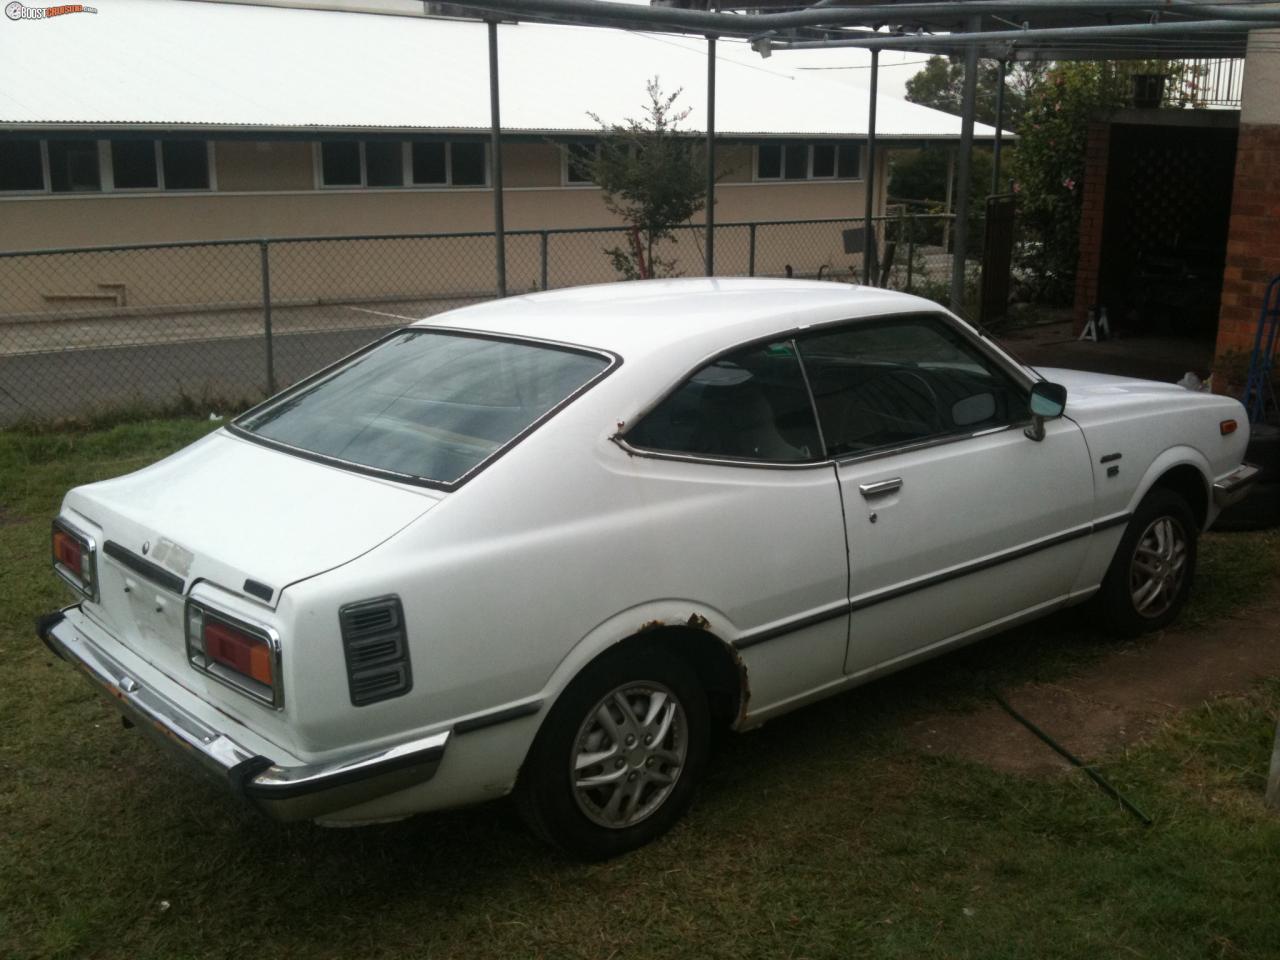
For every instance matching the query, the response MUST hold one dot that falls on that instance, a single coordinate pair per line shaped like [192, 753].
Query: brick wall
[1097, 155]
[1253, 244]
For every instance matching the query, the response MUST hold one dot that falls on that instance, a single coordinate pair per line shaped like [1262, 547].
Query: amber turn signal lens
[1226, 427]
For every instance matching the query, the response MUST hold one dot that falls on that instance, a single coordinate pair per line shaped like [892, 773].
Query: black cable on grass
[1071, 758]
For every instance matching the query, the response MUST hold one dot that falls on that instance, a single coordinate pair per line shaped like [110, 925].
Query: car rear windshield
[426, 404]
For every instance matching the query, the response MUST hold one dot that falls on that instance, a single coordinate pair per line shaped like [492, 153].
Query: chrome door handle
[880, 487]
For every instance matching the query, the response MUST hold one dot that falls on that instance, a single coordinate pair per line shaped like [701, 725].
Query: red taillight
[1227, 427]
[242, 652]
[67, 551]
[73, 559]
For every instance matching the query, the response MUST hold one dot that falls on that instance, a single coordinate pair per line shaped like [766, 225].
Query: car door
[730, 465]
[956, 521]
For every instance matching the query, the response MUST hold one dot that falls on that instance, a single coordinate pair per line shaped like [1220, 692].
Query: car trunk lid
[247, 518]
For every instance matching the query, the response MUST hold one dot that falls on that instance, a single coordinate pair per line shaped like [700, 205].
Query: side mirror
[1048, 400]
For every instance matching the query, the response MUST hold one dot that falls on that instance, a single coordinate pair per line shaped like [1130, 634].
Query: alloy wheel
[628, 754]
[1158, 567]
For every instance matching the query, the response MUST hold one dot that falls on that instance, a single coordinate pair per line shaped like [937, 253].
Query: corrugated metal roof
[177, 63]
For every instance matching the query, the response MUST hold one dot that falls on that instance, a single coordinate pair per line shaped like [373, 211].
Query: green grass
[822, 835]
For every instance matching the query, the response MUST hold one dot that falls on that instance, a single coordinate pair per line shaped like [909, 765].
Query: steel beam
[495, 163]
[995, 148]
[960, 242]
[869, 265]
[711, 158]
[1169, 29]
[605, 13]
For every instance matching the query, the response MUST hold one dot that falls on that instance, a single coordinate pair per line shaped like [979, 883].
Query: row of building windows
[90, 166]
[814, 161]
[390, 163]
[773, 161]
[87, 166]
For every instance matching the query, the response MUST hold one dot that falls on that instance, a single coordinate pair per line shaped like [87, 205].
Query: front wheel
[1150, 575]
[616, 763]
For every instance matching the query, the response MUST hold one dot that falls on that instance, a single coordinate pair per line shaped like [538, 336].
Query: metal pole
[948, 204]
[869, 179]
[995, 150]
[911, 249]
[265, 260]
[495, 163]
[963, 169]
[711, 157]
[663, 18]
[543, 237]
[751, 250]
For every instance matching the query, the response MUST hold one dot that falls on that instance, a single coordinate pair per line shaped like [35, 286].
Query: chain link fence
[221, 324]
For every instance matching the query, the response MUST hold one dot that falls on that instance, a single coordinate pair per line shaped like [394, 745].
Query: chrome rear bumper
[285, 791]
[1234, 486]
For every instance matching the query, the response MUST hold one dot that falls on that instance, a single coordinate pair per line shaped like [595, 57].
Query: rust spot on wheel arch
[698, 622]
[652, 625]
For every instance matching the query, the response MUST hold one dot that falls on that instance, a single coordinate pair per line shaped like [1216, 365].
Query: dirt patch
[1118, 701]
[8, 518]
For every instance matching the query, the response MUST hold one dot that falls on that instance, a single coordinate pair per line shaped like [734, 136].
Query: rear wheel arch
[720, 668]
[627, 764]
[718, 665]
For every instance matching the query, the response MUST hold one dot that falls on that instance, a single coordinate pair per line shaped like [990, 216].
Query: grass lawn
[822, 835]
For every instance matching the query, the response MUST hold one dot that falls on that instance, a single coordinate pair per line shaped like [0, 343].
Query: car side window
[748, 405]
[886, 383]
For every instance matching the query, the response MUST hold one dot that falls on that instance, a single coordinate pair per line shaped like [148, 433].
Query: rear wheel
[1151, 573]
[616, 763]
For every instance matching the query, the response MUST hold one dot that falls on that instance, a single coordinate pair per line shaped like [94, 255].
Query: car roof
[703, 314]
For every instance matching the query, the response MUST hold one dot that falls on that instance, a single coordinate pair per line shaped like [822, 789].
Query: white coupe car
[548, 544]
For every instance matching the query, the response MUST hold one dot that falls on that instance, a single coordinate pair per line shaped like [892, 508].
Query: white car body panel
[570, 542]
[961, 503]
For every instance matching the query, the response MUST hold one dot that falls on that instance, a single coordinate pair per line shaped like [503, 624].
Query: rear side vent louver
[377, 650]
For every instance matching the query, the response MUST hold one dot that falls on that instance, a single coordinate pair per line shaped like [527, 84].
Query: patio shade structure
[1003, 30]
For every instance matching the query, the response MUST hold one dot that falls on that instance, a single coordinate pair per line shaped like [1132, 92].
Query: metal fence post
[911, 249]
[543, 237]
[751, 250]
[265, 258]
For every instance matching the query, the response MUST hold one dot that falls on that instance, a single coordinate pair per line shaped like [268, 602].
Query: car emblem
[146, 545]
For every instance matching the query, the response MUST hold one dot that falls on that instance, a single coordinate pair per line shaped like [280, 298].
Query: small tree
[1049, 167]
[1049, 164]
[940, 84]
[653, 177]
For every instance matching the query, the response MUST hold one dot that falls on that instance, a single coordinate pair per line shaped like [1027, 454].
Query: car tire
[1151, 572]
[592, 784]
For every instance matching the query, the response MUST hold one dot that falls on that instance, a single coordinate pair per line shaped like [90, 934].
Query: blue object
[1258, 391]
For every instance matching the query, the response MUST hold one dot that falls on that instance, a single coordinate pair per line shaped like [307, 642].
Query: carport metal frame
[993, 29]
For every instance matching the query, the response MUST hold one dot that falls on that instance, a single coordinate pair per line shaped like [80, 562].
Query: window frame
[787, 337]
[858, 148]
[612, 362]
[45, 182]
[429, 184]
[977, 344]
[796, 335]
[106, 170]
[565, 150]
